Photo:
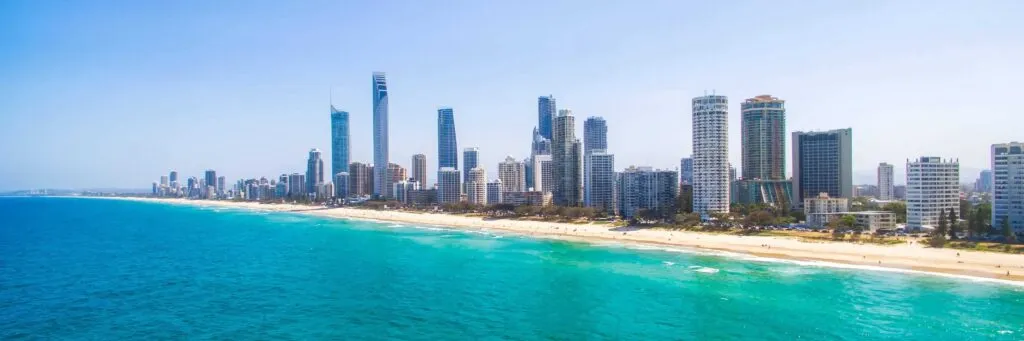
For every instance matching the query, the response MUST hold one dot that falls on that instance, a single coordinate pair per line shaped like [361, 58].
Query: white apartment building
[449, 186]
[476, 188]
[710, 155]
[1008, 185]
[543, 173]
[512, 174]
[886, 187]
[822, 209]
[933, 186]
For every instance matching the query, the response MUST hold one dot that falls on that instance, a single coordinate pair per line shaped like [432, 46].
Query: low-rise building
[822, 209]
[531, 198]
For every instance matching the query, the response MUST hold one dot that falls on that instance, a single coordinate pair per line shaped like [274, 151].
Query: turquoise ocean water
[89, 269]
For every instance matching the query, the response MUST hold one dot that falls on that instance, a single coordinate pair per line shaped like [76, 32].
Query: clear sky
[117, 93]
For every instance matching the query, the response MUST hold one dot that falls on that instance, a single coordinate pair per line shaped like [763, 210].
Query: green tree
[970, 224]
[759, 218]
[1008, 231]
[965, 207]
[984, 215]
[954, 224]
[943, 225]
[847, 221]
[899, 209]
[798, 215]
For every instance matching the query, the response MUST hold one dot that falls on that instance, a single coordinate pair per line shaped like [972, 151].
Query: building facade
[381, 182]
[494, 190]
[512, 175]
[886, 185]
[686, 171]
[470, 160]
[360, 179]
[601, 181]
[314, 171]
[447, 143]
[566, 161]
[341, 185]
[763, 135]
[710, 155]
[822, 208]
[984, 183]
[1008, 185]
[644, 188]
[531, 198]
[822, 163]
[339, 142]
[449, 185]
[419, 169]
[933, 187]
[546, 109]
[595, 138]
[543, 173]
[476, 187]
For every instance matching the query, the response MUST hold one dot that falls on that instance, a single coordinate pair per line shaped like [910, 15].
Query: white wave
[1004, 332]
[668, 263]
[707, 270]
[396, 225]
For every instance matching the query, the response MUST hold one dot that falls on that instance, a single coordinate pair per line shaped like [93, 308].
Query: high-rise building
[601, 181]
[449, 186]
[546, 109]
[447, 145]
[476, 187]
[984, 183]
[221, 185]
[933, 187]
[470, 160]
[686, 170]
[763, 133]
[648, 189]
[342, 183]
[339, 142]
[541, 145]
[595, 137]
[543, 174]
[296, 185]
[210, 179]
[173, 176]
[886, 187]
[164, 181]
[381, 183]
[359, 179]
[419, 169]
[710, 155]
[494, 189]
[512, 175]
[822, 163]
[396, 173]
[566, 160]
[1008, 185]
[314, 171]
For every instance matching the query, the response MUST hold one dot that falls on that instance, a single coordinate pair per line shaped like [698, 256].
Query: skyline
[127, 108]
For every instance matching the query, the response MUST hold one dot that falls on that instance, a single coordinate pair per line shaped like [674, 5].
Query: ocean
[91, 269]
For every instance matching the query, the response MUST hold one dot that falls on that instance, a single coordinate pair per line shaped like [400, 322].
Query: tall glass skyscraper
[546, 110]
[763, 134]
[822, 163]
[381, 181]
[447, 145]
[339, 144]
[566, 159]
[595, 138]
[470, 160]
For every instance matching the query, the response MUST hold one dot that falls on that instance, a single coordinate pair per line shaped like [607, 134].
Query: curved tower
[710, 155]
[381, 181]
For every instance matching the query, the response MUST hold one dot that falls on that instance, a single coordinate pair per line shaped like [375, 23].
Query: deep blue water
[89, 269]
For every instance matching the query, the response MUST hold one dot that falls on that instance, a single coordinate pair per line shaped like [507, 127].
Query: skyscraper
[339, 142]
[210, 180]
[449, 186]
[314, 171]
[763, 138]
[470, 160]
[543, 174]
[933, 187]
[396, 173]
[686, 170]
[984, 183]
[296, 185]
[822, 163]
[541, 145]
[341, 184]
[359, 179]
[710, 155]
[1008, 189]
[566, 160]
[886, 187]
[221, 185]
[595, 137]
[173, 176]
[447, 145]
[476, 187]
[419, 169]
[512, 175]
[381, 183]
[494, 189]
[601, 181]
[546, 110]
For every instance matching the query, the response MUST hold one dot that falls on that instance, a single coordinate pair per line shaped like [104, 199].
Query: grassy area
[986, 246]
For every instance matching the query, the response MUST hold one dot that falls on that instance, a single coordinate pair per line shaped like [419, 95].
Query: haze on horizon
[117, 93]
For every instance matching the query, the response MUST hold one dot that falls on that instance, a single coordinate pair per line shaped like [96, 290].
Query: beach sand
[916, 257]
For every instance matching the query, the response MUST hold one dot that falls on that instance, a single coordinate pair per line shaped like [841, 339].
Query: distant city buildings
[984, 182]
[381, 182]
[595, 138]
[886, 186]
[476, 187]
[933, 188]
[512, 175]
[314, 171]
[470, 160]
[447, 145]
[601, 181]
[1008, 185]
[566, 161]
[710, 155]
[822, 163]
[339, 144]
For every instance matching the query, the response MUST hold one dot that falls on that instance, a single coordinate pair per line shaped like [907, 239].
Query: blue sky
[116, 93]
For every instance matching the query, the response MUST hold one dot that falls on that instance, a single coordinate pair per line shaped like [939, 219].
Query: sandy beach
[905, 256]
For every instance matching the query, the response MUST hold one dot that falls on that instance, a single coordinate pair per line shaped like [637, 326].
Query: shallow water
[107, 269]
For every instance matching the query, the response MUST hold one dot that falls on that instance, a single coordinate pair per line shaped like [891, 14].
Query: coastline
[899, 257]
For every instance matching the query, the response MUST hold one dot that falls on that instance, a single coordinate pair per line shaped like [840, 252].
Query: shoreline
[916, 258]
